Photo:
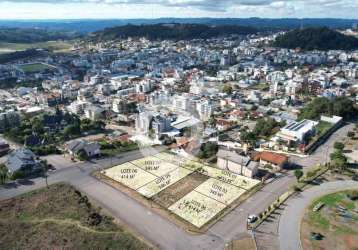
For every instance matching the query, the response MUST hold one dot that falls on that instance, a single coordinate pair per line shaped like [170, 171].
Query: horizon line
[156, 18]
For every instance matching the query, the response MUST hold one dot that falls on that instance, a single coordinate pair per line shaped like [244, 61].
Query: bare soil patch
[178, 190]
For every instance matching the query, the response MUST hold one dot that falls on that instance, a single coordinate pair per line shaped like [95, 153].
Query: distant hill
[92, 25]
[29, 35]
[316, 38]
[173, 31]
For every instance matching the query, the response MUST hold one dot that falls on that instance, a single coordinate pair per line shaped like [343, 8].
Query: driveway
[290, 220]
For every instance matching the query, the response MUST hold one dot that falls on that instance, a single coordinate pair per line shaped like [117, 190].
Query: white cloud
[176, 8]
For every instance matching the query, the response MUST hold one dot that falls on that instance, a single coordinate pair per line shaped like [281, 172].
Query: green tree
[338, 145]
[82, 155]
[351, 134]
[72, 130]
[248, 137]
[227, 89]
[37, 125]
[266, 127]
[3, 173]
[298, 173]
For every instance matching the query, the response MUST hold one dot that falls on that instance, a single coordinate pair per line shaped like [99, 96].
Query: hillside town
[180, 93]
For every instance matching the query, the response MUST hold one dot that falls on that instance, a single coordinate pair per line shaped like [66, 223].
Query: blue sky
[105, 9]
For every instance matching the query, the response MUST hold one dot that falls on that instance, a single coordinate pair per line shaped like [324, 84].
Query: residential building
[236, 163]
[91, 149]
[276, 161]
[22, 160]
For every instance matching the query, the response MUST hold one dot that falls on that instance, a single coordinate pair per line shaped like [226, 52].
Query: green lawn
[60, 218]
[322, 219]
[323, 127]
[35, 67]
[339, 228]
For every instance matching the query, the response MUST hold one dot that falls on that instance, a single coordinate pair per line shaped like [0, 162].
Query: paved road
[290, 221]
[322, 153]
[152, 226]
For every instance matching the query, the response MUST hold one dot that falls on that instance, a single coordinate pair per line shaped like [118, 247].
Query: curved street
[290, 220]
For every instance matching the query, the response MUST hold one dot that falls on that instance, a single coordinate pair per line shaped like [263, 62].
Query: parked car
[252, 218]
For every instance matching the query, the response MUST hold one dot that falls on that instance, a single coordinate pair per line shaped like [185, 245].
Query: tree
[351, 134]
[227, 89]
[37, 125]
[72, 130]
[265, 127]
[341, 106]
[248, 137]
[298, 174]
[3, 173]
[338, 146]
[82, 155]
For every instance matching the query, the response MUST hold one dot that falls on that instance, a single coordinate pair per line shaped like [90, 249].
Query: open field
[34, 67]
[192, 191]
[59, 217]
[55, 46]
[336, 221]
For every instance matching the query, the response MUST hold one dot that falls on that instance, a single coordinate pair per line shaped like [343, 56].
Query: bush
[298, 173]
[17, 175]
[353, 195]
[46, 150]
[351, 134]
[338, 145]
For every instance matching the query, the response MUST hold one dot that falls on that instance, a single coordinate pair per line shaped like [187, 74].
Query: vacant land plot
[34, 67]
[197, 208]
[191, 190]
[60, 217]
[180, 161]
[154, 165]
[130, 175]
[163, 182]
[220, 191]
[336, 221]
[230, 178]
[175, 192]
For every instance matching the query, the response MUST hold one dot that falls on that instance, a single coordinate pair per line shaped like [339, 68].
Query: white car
[252, 218]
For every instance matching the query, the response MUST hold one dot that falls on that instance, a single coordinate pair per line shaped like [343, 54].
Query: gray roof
[185, 123]
[78, 145]
[21, 158]
[234, 157]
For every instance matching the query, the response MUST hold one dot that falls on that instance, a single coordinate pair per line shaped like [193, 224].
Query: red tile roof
[273, 158]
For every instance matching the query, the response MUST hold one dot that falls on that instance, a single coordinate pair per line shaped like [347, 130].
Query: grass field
[34, 67]
[55, 46]
[60, 218]
[337, 221]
